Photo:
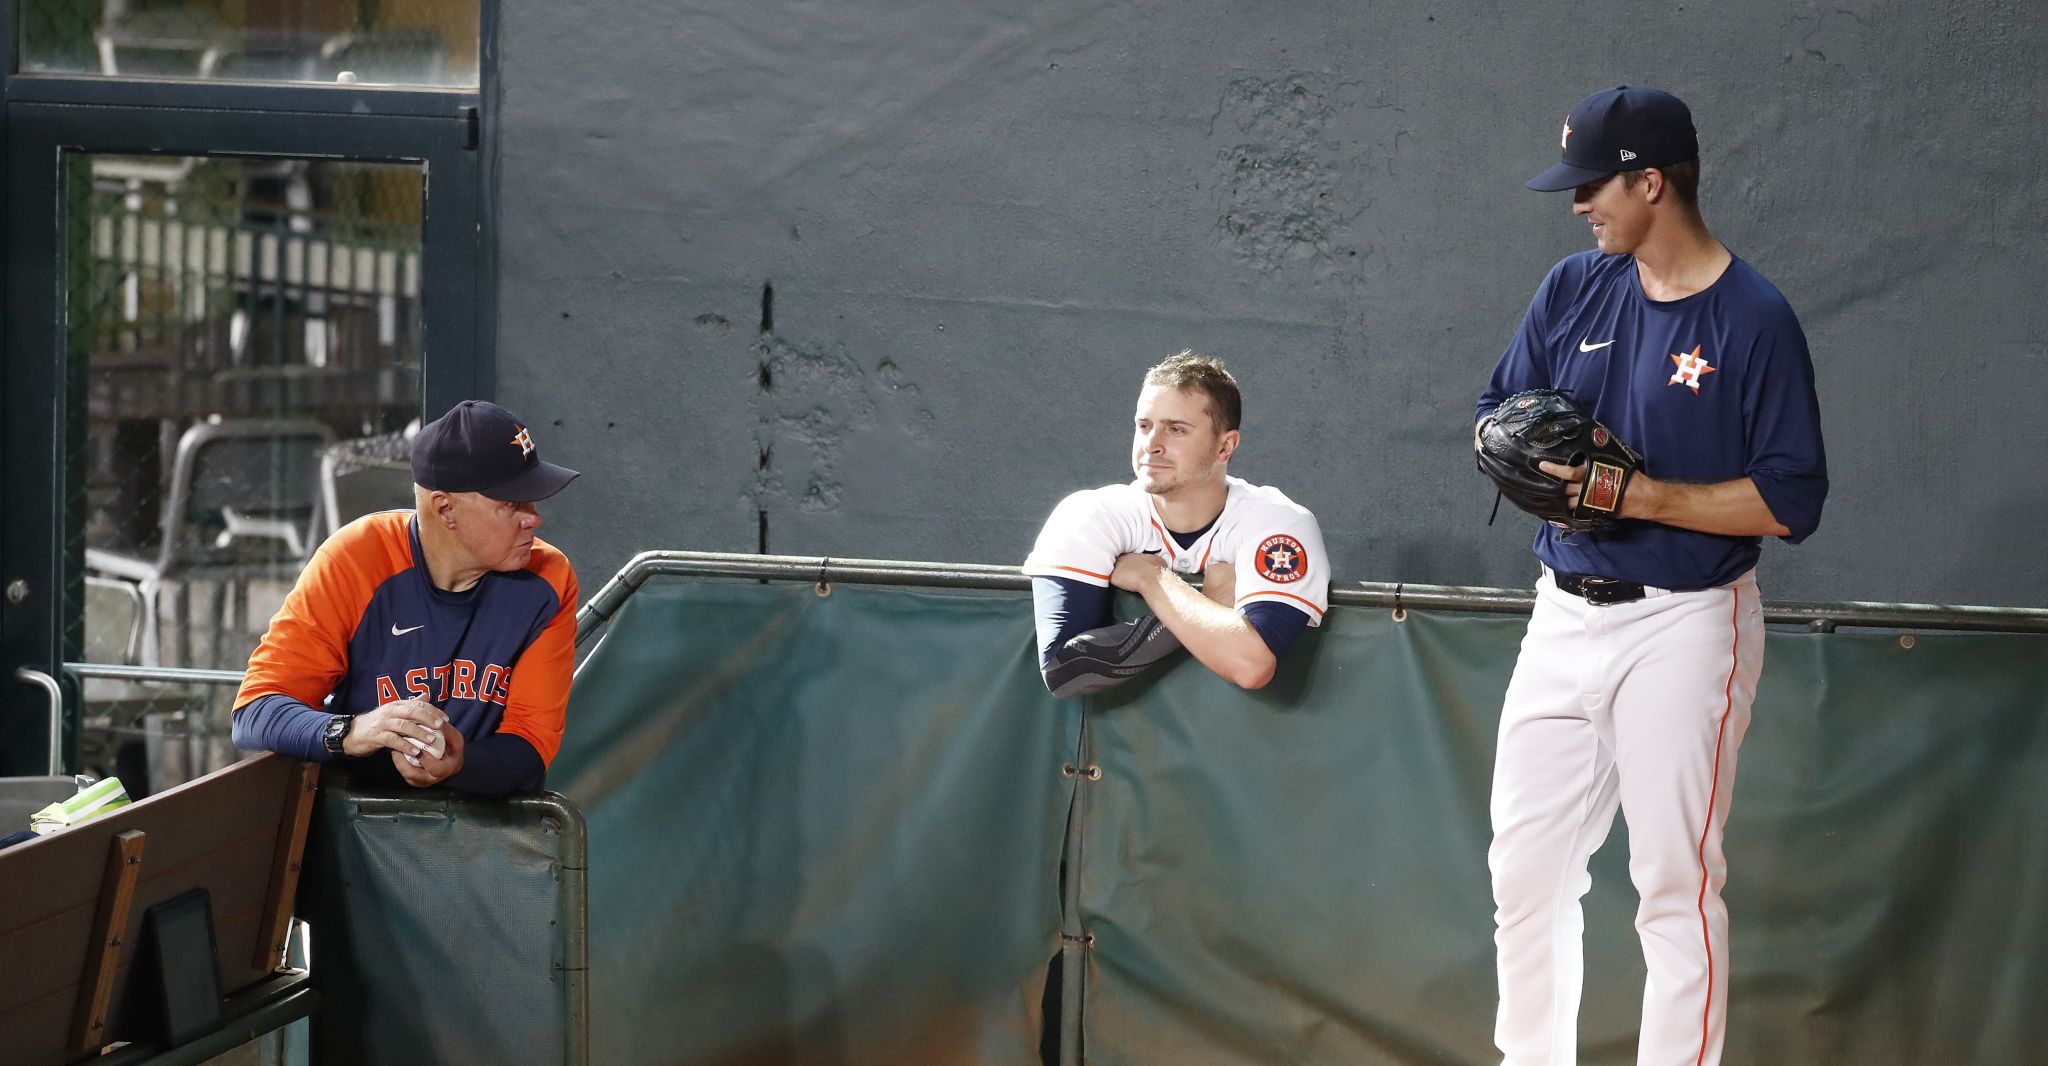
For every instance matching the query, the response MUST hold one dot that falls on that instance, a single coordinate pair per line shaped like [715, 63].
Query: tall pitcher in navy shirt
[1638, 697]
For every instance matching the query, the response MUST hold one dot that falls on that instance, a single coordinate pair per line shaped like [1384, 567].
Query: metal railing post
[55, 693]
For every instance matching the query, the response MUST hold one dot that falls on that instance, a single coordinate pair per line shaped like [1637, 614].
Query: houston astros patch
[1281, 559]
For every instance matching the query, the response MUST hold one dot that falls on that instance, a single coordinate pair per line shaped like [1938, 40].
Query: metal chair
[364, 475]
[113, 620]
[132, 729]
[239, 492]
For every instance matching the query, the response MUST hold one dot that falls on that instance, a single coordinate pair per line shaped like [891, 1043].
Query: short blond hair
[1204, 374]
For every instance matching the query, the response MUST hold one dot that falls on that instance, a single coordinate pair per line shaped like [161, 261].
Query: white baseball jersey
[1273, 542]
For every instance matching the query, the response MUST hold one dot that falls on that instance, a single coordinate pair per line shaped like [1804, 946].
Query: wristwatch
[336, 732]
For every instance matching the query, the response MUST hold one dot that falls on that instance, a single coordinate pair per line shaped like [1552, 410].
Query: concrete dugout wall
[878, 278]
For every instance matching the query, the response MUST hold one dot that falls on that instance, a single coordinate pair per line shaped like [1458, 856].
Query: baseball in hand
[438, 749]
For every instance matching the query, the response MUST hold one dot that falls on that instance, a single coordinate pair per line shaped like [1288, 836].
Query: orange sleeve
[304, 653]
[537, 705]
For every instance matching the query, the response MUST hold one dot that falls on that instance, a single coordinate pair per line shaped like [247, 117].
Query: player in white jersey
[1265, 573]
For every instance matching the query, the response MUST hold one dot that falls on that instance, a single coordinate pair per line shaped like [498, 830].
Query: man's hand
[1574, 478]
[430, 771]
[1219, 583]
[1728, 508]
[1135, 570]
[1207, 626]
[395, 725]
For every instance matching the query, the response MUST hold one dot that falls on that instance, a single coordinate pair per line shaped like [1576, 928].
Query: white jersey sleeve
[1280, 559]
[1082, 539]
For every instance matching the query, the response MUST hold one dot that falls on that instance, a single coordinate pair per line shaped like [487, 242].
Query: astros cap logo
[525, 442]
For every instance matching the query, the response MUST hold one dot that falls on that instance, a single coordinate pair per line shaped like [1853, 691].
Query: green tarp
[825, 830]
[446, 929]
[829, 830]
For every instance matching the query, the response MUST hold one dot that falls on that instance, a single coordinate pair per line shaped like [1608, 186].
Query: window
[431, 43]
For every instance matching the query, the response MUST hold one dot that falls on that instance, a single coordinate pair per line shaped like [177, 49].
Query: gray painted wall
[982, 221]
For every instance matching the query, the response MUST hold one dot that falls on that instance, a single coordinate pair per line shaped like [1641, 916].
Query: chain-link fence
[245, 342]
[406, 42]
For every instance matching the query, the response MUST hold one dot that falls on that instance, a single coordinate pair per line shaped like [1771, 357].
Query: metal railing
[168, 674]
[277, 287]
[55, 696]
[1399, 597]
[179, 716]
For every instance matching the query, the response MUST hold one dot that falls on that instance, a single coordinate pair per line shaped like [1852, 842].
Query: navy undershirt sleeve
[497, 764]
[492, 765]
[1278, 624]
[1066, 608]
[282, 724]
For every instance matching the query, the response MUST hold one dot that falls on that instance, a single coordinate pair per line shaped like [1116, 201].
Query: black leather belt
[1598, 591]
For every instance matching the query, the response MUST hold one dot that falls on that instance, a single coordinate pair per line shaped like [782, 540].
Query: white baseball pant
[1642, 704]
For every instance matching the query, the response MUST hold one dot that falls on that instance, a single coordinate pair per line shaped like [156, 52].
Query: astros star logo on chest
[1692, 366]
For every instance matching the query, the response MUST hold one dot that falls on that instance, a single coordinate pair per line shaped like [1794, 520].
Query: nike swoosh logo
[1584, 347]
[397, 632]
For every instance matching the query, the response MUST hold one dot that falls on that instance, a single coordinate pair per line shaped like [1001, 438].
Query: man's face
[1175, 442]
[497, 535]
[1619, 215]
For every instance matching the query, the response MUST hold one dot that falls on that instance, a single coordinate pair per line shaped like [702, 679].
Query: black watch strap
[336, 732]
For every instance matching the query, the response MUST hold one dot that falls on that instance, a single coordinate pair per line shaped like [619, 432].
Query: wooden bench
[75, 903]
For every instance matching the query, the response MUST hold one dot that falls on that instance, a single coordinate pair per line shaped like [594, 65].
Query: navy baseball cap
[481, 447]
[1627, 127]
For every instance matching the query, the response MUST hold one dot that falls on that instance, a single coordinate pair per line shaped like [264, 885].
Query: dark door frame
[44, 120]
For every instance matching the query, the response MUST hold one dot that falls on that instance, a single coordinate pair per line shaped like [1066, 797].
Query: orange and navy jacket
[365, 626]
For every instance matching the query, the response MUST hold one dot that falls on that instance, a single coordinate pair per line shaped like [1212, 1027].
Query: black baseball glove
[1544, 424]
